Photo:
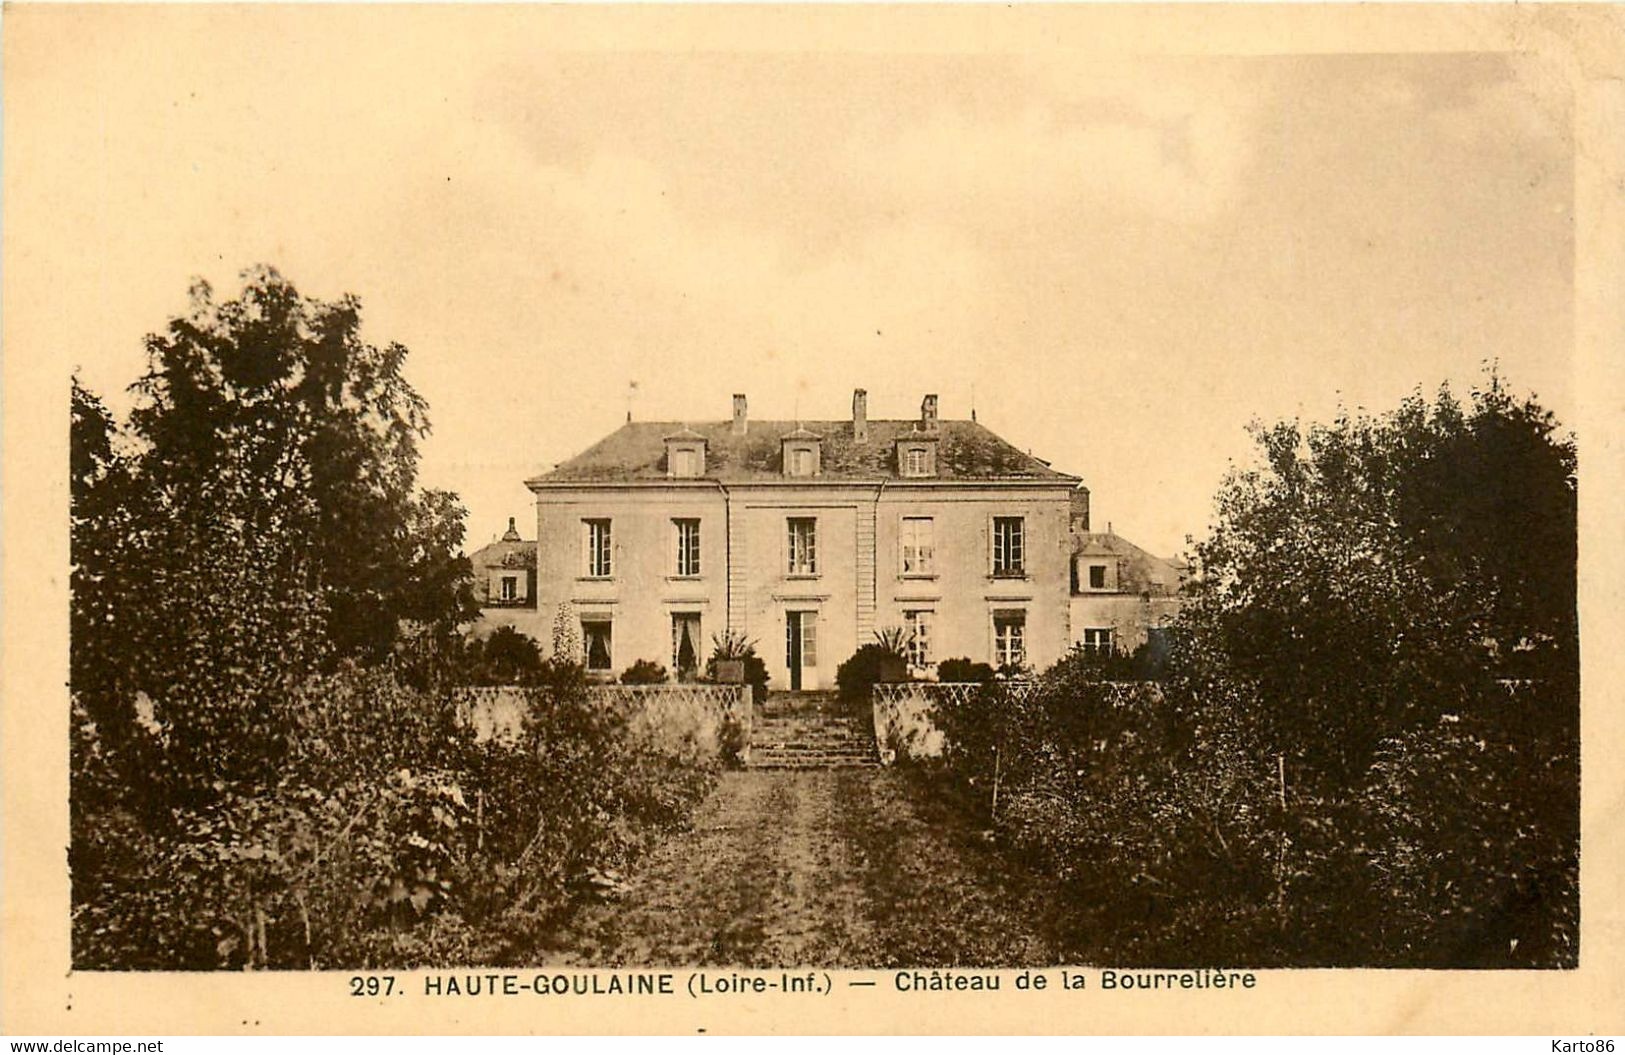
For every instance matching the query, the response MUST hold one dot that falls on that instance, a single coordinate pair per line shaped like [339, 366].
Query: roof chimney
[928, 412]
[860, 416]
[739, 414]
[512, 534]
[1080, 508]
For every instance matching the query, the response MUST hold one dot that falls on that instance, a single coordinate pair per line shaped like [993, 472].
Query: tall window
[688, 547]
[803, 546]
[1009, 546]
[919, 557]
[597, 644]
[1009, 639]
[685, 644]
[1098, 639]
[510, 587]
[1097, 576]
[918, 624]
[916, 462]
[598, 549]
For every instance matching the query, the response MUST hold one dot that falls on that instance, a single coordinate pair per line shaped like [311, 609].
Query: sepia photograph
[553, 510]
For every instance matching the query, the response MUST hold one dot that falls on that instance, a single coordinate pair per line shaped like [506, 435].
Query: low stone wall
[494, 711]
[903, 715]
[672, 717]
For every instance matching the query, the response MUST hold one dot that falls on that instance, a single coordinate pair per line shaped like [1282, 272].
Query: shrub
[391, 839]
[733, 740]
[505, 657]
[883, 659]
[644, 672]
[861, 671]
[963, 669]
[1148, 662]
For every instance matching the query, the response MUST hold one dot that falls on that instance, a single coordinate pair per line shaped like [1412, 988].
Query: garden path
[853, 868]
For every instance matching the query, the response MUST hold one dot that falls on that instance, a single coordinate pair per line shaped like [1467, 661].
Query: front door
[792, 648]
[801, 649]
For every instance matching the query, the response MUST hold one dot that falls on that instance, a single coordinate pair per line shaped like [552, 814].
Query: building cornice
[818, 483]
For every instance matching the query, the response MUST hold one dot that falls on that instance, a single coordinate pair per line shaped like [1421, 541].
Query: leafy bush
[390, 839]
[963, 669]
[644, 672]
[1148, 662]
[734, 741]
[505, 657]
[867, 667]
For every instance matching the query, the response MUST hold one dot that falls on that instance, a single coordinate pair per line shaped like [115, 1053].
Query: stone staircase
[810, 730]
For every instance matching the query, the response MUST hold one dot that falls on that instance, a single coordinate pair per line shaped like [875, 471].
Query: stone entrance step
[810, 731]
[782, 702]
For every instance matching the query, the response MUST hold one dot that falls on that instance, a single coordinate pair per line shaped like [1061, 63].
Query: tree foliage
[1366, 747]
[1380, 572]
[1386, 610]
[272, 412]
[256, 519]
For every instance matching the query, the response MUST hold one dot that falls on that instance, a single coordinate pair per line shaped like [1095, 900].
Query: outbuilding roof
[501, 554]
[1138, 571]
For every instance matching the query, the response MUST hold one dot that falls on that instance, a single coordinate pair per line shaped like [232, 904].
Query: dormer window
[917, 456]
[801, 450]
[685, 454]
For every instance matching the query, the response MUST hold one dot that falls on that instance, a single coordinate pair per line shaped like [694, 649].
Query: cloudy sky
[1121, 260]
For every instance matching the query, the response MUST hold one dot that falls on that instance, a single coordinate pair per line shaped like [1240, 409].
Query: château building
[806, 537]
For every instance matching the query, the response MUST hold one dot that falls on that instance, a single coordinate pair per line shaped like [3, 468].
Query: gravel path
[828, 868]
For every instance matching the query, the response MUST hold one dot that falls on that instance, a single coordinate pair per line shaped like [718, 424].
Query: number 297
[372, 985]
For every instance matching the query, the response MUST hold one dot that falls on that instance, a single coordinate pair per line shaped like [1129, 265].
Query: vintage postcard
[849, 519]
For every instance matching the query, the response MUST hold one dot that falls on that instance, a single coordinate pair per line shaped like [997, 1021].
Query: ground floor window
[1098, 639]
[685, 645]
[1010, 639]
[598, 644]
[918, 625]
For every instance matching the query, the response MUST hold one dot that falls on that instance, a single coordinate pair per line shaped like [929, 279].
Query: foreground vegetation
[1365, 750]
[268, 769]
[389, 838]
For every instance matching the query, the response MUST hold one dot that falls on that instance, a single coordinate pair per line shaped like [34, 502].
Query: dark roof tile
[636, 451]
[505, 555]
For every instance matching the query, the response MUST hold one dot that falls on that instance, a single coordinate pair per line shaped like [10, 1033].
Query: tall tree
[270, 410]
[1381, 569]
[1386, 611]
[259, 517]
